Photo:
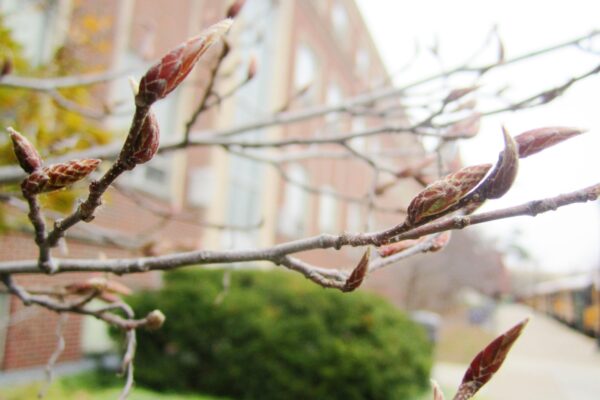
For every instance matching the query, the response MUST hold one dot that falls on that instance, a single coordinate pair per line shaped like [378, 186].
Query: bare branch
[50, 84]
[277, 254]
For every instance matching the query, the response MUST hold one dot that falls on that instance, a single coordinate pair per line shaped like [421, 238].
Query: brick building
[308, 53]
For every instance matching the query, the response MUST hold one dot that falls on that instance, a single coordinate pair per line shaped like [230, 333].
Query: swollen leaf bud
[459, 93]
[465, 128]
[440, 241]
[155, 320]
[358, 274]
[147, 140]
[162, 78]
[252, 68]
[235, 8]
[505, 171]
[28, 157]
[443, 194]
[536, 140]
[488, 362]
[58, 176]
[394, 248]
[108, 297]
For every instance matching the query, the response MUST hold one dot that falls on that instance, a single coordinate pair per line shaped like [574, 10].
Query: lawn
[94, 386]
[91, 386]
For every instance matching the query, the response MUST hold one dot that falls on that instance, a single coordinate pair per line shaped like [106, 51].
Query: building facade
[309, 53]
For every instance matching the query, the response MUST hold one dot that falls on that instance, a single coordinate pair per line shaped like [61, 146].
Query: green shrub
[277, 336]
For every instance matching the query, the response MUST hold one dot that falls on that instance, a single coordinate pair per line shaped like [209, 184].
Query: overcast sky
[566, 240]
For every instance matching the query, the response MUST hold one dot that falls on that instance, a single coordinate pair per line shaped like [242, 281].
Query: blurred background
[326, 68]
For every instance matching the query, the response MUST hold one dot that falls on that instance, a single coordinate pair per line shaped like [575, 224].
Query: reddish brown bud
[488, 362]
[440, 241]
[108, 297]
[252, 68]
[118, 288]
[394, 248]
[147, 140]
[465, 128]
[58, 176]
[536, 140]
[505, 171]
[28, 157]
[443, 194]
[235, 8]
[162, 78]
[106, 290]
[358, 274]
[459, 93]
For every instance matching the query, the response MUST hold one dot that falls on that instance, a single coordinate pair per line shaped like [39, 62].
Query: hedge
[275, 335]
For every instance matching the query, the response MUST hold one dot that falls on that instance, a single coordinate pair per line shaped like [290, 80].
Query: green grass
[460, 343]
[97, 386]
[91, 386]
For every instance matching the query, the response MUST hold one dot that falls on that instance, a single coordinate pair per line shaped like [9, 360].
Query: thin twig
[324, 241]
[60, 348]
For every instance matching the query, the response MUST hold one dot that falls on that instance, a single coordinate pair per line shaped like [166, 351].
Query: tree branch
[276, 254]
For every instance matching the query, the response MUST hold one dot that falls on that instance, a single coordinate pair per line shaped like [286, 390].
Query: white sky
[566, 240]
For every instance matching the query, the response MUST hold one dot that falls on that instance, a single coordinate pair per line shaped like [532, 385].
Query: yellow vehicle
[573, 300]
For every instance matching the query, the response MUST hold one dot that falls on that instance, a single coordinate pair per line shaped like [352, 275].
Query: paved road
[548, 362]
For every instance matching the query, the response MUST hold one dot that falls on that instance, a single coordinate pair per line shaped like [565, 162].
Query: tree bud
[58, 176]
[155, 319]
[505, 171]
[252, 68]
[162, 78]
[536, 140]
[147, 140]
[443, 194]
[28, 157]
[235, 8]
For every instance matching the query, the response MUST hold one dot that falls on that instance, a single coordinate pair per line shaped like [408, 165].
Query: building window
[245, 201]
[334, 97]
[341, 23]
[363, 63]
[354, 218]
[292, 221]
[201, 186]
[328, 211]
[359, 143]
[39, 26]
[305, 73]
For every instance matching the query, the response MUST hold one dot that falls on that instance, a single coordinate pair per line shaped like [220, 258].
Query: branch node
[461, 222]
